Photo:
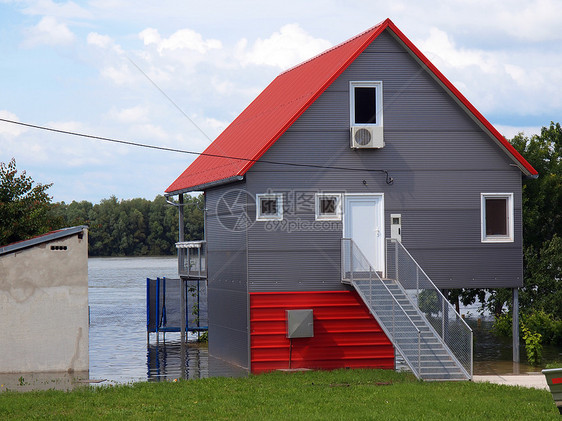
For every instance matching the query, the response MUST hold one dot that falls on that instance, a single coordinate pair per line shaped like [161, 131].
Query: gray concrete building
[44, 303]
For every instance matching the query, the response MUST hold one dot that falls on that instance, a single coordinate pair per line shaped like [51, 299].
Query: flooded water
[117, 299]
[494, 355]
[119, 352]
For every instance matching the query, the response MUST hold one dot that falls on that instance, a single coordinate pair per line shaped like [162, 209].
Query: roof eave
[203, 187]
[20, 245]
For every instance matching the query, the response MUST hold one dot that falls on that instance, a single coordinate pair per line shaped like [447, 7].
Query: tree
[542, 231]
[542, 221]
[25, 209]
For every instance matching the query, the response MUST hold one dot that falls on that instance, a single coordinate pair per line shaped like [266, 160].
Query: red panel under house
[345, 333]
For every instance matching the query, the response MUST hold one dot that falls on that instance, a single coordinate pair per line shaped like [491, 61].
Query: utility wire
[389, 179]
[168, 98]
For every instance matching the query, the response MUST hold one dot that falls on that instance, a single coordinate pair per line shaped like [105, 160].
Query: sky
[176, 73]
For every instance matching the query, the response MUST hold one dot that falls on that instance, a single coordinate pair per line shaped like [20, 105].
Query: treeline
[135, 227]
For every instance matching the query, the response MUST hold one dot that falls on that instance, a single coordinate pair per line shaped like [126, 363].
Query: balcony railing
[192, 259]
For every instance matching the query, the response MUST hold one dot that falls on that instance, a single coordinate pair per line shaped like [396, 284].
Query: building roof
[251, 134]
[40, 239]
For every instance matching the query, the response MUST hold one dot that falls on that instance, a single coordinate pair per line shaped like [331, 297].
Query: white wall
[44, 307]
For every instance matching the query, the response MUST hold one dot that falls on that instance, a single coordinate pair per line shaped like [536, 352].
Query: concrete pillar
[515, 326]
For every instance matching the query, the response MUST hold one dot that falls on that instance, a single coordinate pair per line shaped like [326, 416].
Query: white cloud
[150, 36]
[70, 151]
[184, 39]
[440, 49]
[517, 73]
[47, 148]
[98, 40]
[69, 126]
[103, 42]
[120, 74]
[135, 114]
[150, 131]
[48, 32]
[518, 82]
[10, 130]
[286, 48]
[510, 131]
[532, 20]
[214, 127]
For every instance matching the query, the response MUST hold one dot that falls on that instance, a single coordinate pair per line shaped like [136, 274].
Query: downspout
[183, 306]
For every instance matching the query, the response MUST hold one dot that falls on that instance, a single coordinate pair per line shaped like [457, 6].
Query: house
[44, 303]
[341, 203]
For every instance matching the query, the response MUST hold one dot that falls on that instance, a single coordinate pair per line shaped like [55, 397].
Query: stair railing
[383, 305]
[432, 304]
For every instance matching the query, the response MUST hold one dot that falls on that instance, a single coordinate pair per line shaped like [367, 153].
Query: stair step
[395, 311]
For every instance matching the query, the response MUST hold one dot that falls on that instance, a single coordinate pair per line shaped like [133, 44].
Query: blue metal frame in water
[163, 306]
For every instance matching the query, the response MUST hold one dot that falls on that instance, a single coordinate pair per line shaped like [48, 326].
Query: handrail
[417, 371]
[400, 305]
[354, 251]
[445, 300]
[450, 339]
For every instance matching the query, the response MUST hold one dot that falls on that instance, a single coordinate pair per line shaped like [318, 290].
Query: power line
[389, 179]
[168, 98]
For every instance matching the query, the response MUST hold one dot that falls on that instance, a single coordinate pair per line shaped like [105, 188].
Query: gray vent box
[300, 324]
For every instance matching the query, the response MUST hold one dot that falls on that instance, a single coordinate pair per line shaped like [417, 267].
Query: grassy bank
[341, 394]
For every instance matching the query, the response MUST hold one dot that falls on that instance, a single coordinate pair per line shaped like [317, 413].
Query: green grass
[319, 395]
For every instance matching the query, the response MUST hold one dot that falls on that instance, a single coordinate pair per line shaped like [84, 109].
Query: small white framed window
[269, 207]
[328, 206]
[366, 103]
[496, 217]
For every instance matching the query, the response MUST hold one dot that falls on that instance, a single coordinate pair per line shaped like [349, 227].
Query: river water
[117, 300]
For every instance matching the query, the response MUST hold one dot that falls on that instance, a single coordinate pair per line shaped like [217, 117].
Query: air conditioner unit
[367, 137]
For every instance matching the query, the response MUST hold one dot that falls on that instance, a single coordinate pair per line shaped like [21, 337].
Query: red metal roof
[251, 134]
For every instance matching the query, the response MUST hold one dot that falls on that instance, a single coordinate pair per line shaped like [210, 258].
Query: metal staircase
[425, 329]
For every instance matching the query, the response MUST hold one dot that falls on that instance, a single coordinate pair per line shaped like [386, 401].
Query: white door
[364, 224]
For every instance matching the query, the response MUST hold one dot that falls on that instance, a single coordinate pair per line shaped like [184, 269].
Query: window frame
[378, 102]
[319, 216]
[267, 217]
[509, 238]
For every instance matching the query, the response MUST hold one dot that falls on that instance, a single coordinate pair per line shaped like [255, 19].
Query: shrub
[503, 325]
[533, 346]
[539, 321]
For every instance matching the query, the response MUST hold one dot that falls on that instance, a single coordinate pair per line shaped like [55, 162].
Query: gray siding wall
[227, 273]
[439, 158]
